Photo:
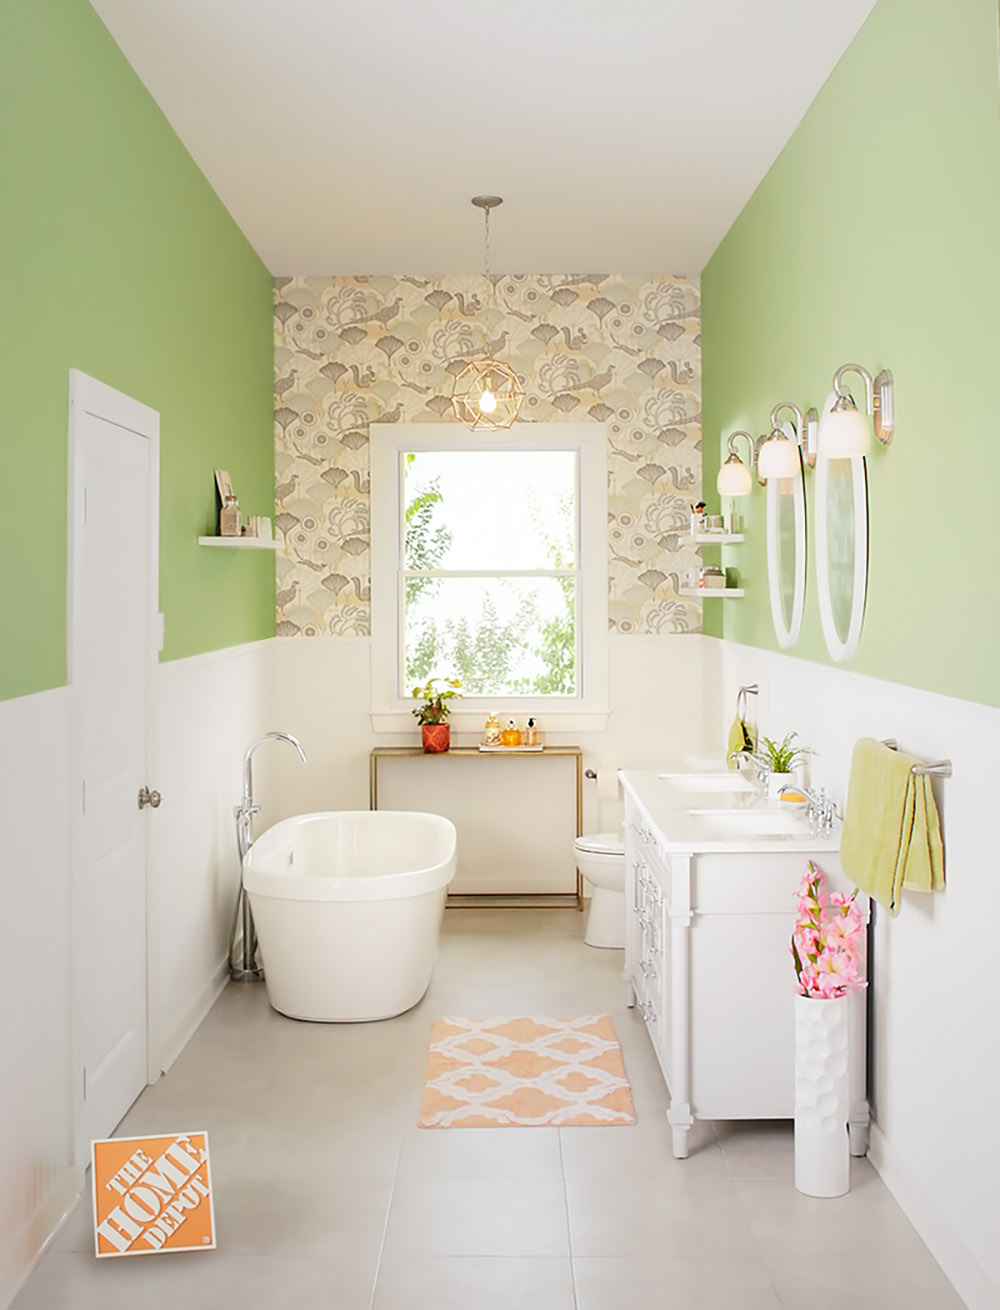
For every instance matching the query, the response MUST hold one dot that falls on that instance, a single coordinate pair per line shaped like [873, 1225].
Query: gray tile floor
[328, 1196]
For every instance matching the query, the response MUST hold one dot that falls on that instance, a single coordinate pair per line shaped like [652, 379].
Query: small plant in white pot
[777, 760]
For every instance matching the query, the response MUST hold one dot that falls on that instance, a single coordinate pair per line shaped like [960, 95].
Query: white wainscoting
[659, 712]
[210, 708]
[936, 968]
[38, 1178]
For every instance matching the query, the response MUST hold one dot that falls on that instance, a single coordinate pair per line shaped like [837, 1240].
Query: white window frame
[585, 711]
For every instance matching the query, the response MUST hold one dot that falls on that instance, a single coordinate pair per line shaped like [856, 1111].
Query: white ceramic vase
[822, 1145]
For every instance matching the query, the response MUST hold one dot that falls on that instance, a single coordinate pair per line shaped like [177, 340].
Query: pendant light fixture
[487, 393]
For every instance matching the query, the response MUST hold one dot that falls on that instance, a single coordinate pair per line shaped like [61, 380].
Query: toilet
[600, 857]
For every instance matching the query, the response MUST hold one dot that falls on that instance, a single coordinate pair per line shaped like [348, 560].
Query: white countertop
[690, 820]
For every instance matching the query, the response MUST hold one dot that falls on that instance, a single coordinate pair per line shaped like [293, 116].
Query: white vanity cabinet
[708, 964]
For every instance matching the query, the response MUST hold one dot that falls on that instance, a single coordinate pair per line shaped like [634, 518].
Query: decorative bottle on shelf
[531, 733]
[229, 518]
[491, 733]
[511, 735]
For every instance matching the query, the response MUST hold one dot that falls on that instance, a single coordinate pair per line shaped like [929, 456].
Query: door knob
[147, 797]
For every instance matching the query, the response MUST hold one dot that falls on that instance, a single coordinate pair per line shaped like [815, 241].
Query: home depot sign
[152, 1194]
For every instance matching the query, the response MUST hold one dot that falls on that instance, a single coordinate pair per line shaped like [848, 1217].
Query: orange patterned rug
[521, 1073]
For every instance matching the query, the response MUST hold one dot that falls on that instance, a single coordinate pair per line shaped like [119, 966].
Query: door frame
[87, 395]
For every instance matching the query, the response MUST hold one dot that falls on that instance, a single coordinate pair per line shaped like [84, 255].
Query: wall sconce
[778, 456]
[734, 477]
[806, 429]
[844, 432]
[782, 456]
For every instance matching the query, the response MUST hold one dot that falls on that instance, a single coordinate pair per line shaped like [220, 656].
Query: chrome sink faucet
[822, 811]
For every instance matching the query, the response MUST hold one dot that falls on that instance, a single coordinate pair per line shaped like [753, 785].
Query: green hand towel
[739, 741]
[892, 833]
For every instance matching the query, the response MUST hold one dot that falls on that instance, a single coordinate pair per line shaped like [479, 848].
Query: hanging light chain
[486, 244]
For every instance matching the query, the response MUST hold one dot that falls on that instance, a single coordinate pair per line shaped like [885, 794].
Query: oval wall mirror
[786, 553]
[841, 551]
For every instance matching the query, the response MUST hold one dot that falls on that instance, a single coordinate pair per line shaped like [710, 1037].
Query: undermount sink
[732, 824]
[705, 782]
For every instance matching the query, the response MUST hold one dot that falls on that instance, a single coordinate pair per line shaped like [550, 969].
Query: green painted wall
[119, 259]
[875, 238]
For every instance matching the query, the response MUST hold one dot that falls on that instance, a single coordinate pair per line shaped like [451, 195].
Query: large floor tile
[761, 1148]
[475, 1283]
[480, 1153]
[212, 1280]
[341, 1147]
[654, 1216]
[477, 1217]
[314, 1216]
[644, 1150]
[880, 1260]
[719, 1281]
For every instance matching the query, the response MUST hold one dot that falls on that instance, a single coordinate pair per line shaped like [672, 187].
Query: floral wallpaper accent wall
[349, 351]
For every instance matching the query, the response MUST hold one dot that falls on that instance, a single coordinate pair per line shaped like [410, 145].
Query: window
[489, 565]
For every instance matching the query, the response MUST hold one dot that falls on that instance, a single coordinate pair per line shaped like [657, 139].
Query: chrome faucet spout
[247, 966]
[247, 801]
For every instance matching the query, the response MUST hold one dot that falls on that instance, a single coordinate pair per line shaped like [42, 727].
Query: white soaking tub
[347, 907]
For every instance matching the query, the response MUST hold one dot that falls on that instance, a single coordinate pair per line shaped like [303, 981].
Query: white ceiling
[347, 136]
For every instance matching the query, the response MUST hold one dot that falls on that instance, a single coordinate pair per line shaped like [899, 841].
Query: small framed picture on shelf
[223, 485]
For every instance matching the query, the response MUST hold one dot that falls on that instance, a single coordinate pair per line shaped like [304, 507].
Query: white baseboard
[183, 1030]
[963, 1271]
[22, 1249]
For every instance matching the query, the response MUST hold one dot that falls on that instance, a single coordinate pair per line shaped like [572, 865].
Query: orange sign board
[152, 1194]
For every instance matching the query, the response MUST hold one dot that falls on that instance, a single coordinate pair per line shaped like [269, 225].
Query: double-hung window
[489, 566]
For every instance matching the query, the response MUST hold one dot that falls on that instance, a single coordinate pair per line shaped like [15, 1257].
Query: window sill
[551, 718]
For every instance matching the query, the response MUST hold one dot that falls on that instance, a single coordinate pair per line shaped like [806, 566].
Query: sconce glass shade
[778, 458]
[844, 432]
[734, 478]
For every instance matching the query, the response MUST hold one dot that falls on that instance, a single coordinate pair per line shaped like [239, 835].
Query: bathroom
[875, 223]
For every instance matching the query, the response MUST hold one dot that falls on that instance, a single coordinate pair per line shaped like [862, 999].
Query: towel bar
[941, 769]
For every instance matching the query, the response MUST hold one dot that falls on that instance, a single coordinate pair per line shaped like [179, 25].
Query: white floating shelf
[712, 593]
[239, 543]
[712, 539]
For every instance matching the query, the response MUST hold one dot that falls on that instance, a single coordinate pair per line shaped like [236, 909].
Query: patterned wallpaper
[623, 351]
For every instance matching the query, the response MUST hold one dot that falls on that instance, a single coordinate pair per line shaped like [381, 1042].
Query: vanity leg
[629, 994]
[858, 1133]
[680, 1119]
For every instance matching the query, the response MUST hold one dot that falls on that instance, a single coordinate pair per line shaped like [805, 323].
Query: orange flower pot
[437, 737]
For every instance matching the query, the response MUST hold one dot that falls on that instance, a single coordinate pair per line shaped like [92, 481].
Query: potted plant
[777, 759]
[432, 715]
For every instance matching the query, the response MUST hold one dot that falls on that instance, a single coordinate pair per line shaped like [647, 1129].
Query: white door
[114, 444]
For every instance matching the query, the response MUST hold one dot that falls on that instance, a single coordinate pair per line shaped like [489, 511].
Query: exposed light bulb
[487, 401]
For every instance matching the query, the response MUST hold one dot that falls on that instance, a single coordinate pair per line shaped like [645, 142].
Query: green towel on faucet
[892, 833]
[739, 741]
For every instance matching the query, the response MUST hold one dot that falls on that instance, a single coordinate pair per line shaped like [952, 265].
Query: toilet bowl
[600, 857]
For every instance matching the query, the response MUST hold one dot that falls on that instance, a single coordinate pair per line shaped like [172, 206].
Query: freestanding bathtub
[347, 907]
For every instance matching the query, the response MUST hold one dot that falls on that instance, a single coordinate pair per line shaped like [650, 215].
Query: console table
[517, 812]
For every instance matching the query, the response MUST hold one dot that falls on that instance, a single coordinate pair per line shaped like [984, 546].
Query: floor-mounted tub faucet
[247, 966]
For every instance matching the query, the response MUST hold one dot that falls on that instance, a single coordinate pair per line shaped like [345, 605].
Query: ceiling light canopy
[487, 393]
